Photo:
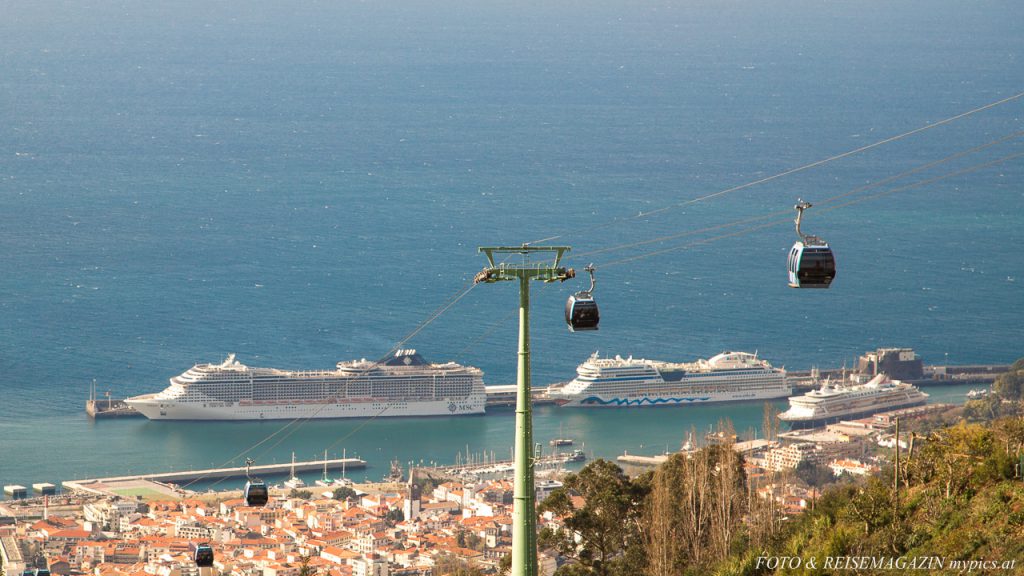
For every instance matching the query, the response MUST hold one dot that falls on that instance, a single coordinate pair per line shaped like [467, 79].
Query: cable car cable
[961, 172]
[444, 308]
[788, 172]
[843, 205]
[365, 422]
[857, 190]
[437, 314]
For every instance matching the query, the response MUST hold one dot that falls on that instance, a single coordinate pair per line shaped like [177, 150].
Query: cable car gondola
[581, 311]
[811, 263]
[203, 555]
[256, 492]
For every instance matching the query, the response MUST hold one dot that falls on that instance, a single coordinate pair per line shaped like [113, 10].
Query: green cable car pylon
[524, 512]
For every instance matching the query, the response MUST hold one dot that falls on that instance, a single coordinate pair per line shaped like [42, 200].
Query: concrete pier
[504, 396]
[217, 473]
[44, 489]
[110, 409]
[635, 460]
[16, 491]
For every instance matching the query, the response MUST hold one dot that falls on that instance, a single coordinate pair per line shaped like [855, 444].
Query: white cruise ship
[834, 402]
[619, 382]
[403, 385]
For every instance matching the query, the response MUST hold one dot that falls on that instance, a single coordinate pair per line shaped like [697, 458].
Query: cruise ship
[834, 402]
[620, 382]
[402, 385]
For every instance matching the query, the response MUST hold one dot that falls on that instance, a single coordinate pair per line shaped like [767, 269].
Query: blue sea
[306, 182]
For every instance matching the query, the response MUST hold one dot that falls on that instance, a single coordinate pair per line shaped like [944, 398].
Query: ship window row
[648, 390]
[362, 390]
[314, 376]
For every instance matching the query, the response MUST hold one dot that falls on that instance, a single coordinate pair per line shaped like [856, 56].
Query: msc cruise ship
[617, 382]
[834, 402]
[402, 385]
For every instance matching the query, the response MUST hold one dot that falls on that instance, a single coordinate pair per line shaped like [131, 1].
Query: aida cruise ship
[620, 382]
[402, 385]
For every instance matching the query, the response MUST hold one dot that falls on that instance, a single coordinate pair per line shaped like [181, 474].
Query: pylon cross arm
[508, 273]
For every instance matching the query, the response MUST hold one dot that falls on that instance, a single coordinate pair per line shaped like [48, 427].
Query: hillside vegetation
[958, 497]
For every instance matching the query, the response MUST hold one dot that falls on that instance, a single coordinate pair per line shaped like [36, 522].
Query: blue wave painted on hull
[642, 401]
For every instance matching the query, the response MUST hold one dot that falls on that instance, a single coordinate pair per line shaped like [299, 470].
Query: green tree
[394, 515]
[505, 565]
[872, 504]
[344, 493]
[449, 565]
[1010, 385]
[600, 509]
[983, 409]
[694, 510]
[816, 475]
[1010, 431]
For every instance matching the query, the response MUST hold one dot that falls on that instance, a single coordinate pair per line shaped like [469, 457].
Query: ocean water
[305, 183]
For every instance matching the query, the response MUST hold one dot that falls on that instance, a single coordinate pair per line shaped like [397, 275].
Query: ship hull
[832, 418]
[681, 398]
[169, 410]
[631, 383]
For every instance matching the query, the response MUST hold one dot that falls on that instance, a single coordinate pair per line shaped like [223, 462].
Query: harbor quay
[901, 364]
[504, 395]
[498, 396]
[151, 481]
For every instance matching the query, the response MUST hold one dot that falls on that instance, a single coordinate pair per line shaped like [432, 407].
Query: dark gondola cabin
[811, 266]
[43, 572]
[581, 312]
[256, 493]
[581, 309]
[203, 555]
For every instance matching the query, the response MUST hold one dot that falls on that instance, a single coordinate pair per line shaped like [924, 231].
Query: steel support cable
[301, 420]
[438, 312]
[819, 202]
[459, 296]
[961, 172]
[680, 234]
[357, 429]
[487, 333]
[244, 452]
[431, 319]
[790, 171]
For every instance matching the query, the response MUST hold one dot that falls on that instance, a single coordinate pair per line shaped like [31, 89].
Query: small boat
[561, 440]
[325, 481]
[294, 482]
[978, 393]
[343, 481]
